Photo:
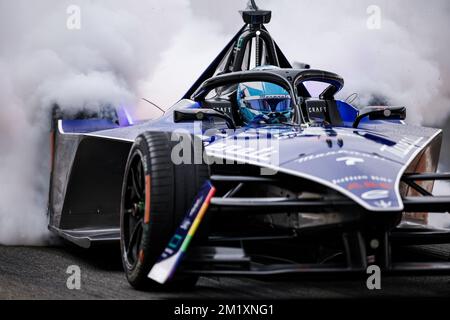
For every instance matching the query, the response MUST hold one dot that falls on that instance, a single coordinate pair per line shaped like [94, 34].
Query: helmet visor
[269, 104]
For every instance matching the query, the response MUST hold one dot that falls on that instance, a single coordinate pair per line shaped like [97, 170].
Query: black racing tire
[166, 192]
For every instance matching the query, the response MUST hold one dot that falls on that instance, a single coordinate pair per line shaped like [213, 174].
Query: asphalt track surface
[40, 273]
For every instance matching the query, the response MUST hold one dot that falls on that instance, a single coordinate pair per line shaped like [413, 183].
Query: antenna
[154, 104]
[252, 5]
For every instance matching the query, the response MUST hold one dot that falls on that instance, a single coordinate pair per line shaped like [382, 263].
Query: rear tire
[156, 195]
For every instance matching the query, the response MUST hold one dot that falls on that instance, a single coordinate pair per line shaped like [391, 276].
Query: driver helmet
[264, 102]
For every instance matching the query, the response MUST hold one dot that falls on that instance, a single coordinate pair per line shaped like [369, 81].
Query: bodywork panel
[87, 181]
[364, 164]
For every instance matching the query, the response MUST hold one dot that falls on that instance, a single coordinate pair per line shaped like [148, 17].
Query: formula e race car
[257, 170]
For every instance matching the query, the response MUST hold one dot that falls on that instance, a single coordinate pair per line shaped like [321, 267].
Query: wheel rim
[134, 210]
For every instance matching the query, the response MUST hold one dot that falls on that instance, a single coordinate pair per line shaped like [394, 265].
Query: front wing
[405, 248]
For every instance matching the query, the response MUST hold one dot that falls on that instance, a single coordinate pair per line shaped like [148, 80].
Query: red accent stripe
[202, 211]
[147, 200]
[210, 195]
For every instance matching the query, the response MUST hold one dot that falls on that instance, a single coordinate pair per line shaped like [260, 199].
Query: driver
[264, 102]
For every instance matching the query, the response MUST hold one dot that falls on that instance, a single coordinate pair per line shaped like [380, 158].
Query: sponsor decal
[374, 188]
[376, 194]
[403, 147]
[350, 161]
[287, 135]
[383, 204]
[368, 185]
[364, 182]
[362, 178]
[276, 96]
[349, 179]
[355, 154]
[317, 109]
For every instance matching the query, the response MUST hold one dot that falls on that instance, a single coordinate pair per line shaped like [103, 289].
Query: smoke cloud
[154, 49]
[43, 63]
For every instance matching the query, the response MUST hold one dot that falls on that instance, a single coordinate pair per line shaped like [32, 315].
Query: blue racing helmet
[264, 102]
